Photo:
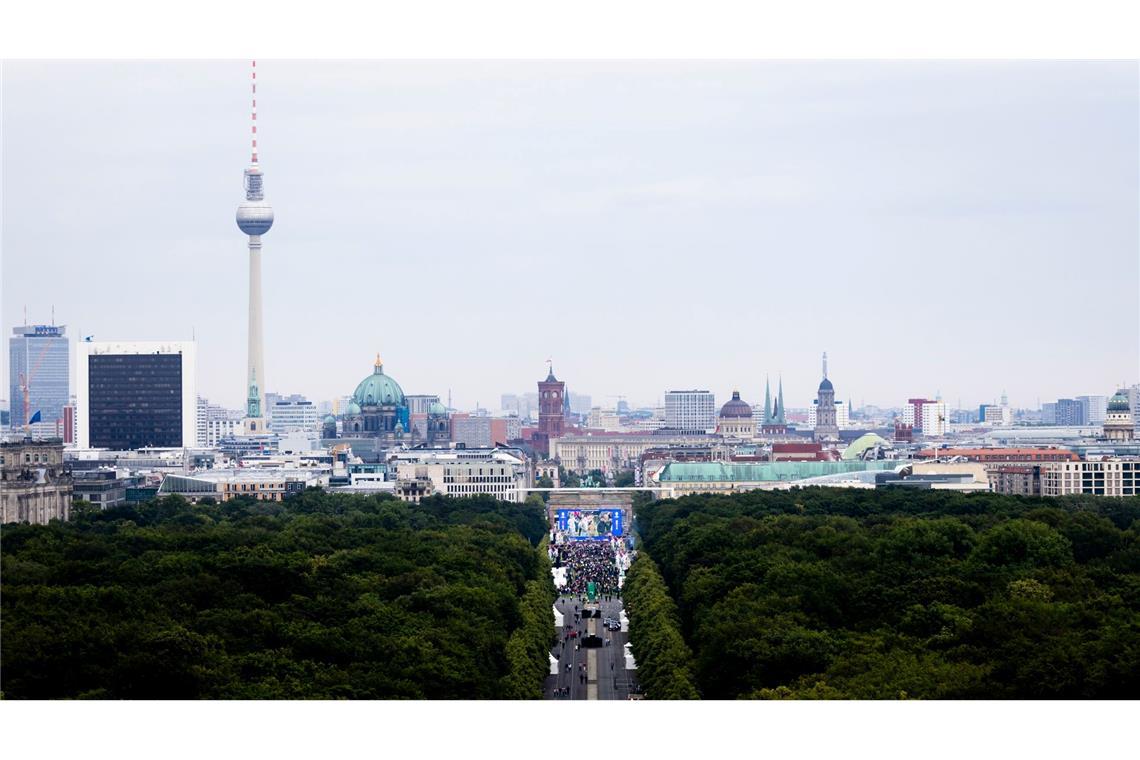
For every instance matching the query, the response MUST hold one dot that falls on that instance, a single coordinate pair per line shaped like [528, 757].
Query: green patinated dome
[378, 389]
[352, 408]
[436, 409]
[1119, 402]
[866, 441]
[329, 420]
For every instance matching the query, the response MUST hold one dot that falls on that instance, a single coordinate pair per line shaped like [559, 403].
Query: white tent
[553, 665]
[624, 622]
[558, 618]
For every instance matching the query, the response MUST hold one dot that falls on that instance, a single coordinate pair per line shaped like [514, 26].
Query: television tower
[254, 218]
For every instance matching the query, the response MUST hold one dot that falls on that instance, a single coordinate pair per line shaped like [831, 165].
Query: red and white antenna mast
[253, 109]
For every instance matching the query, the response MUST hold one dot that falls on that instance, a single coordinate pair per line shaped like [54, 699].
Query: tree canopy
[844, 593]
[321, 596]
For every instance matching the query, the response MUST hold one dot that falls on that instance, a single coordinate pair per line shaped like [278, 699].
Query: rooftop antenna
[253, 111]
[824, 365]
[53, 315]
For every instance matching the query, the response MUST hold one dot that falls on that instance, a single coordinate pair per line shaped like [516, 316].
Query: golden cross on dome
[379, 363]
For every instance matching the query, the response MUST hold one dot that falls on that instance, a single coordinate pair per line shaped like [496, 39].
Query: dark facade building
[135, 401]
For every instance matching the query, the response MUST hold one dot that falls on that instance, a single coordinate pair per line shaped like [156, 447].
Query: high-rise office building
[216, 423]
[135, 395]
[1069, 412]
[927, 416]
[287, 414]
[690, 411]
[40, 368]
[1093, 409]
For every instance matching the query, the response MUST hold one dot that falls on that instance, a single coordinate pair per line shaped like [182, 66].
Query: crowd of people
[587, 561]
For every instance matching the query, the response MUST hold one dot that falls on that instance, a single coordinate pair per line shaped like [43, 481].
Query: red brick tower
[550, 412]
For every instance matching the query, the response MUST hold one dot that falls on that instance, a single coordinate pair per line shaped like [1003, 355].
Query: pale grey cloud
[962, 227]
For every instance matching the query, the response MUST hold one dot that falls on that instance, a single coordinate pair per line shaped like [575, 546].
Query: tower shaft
[255, 371]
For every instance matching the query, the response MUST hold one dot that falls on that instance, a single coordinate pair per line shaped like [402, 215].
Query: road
[604, 667]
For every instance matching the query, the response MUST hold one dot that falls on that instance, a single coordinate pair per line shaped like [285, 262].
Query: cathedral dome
[1119, 402]
[436, 409]
[352, 408]
[378, 389]
[736, 408]
[826, 385]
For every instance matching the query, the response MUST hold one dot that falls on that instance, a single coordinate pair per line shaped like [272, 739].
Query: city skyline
[584, 185]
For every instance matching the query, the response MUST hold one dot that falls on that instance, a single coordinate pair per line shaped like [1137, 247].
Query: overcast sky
[955, 227]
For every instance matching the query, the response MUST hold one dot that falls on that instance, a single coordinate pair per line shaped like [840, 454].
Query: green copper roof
[731, 472]
[378, 389]
[1119, 402]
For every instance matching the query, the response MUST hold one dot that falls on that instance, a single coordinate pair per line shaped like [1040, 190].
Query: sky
[960, 228]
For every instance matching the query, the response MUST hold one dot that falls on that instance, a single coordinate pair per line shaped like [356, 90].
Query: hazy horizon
[954, 227]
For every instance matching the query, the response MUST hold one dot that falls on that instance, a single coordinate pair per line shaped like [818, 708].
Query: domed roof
[736, 408]
[866, 441]
[352, 408]
[1119, 402]
[826, 385]
[436, 409]
[329, 420]
[378, 389]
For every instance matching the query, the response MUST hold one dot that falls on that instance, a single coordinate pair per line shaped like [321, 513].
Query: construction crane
[25, 385]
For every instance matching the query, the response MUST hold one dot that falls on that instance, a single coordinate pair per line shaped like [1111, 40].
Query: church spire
[767, 401]
[780, 400]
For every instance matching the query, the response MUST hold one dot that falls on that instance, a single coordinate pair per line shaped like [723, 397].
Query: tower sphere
[254, 217]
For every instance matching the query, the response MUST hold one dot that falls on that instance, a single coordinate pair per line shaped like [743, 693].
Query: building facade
[1106, 477]
[39, 365]
[1093, 409]
[1069, 412]
[134, 395]
[691, 412]
[614, 452]
[35, 483]
[502, 473]
[294, 413]
[928, 417]
[1015, 479]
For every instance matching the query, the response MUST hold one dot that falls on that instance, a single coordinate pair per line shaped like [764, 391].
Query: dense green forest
[844, 593]
[321, 596]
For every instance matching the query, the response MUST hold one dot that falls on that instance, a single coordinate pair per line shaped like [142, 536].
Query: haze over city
[963, 228]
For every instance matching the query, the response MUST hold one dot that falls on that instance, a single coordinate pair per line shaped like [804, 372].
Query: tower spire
[780, 420]
[767, 401]
[824, 365]
[253, 111]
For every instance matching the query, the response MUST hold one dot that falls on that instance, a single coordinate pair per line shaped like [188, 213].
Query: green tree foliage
[624, 479]
[837, 593]
[320, 597]
[664, 662]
